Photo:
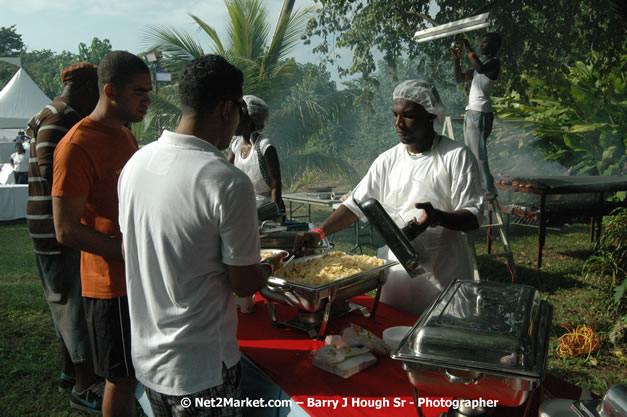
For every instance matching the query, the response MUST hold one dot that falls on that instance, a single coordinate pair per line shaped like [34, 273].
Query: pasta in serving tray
[328, 268]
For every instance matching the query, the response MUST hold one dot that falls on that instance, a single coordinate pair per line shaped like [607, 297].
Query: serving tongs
[291, 254]
[270, 226]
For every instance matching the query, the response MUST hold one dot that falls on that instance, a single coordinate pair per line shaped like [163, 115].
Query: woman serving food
[255, 154]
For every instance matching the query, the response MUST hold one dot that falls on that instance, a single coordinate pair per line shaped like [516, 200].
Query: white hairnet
[423, 93]
[257, 110]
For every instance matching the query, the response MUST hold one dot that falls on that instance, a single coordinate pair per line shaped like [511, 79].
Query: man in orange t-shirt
[87, 164]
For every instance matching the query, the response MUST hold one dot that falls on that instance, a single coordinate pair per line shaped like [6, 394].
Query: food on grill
[328, 268]
[522, 183]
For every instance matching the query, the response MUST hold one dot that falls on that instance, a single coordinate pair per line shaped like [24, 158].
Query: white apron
[250, 165]
[444, 252]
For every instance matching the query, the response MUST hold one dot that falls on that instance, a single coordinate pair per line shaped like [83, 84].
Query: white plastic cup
[246, 304]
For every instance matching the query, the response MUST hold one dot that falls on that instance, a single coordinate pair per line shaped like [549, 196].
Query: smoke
[512, 153]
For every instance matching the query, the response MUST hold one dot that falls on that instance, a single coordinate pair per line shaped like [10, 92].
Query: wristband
[470, 55]
[269, 263]
[320, 233]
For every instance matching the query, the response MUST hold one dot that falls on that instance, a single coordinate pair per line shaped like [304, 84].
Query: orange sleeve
[73, 171]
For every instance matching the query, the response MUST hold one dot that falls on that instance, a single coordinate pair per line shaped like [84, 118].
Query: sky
[62, 24]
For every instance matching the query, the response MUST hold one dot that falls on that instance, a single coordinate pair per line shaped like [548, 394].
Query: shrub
[608, 264]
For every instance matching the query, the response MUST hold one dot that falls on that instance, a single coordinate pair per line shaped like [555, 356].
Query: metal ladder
[498, 226]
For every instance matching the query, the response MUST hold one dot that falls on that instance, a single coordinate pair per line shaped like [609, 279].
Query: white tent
[20, 99]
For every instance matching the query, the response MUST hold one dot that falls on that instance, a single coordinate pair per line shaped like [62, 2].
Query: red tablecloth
[382, 389]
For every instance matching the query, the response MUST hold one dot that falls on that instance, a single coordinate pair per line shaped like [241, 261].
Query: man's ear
[109, 91]
[226, 109]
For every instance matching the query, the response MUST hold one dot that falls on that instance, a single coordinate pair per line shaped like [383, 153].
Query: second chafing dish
[318, 303]
[480, 340]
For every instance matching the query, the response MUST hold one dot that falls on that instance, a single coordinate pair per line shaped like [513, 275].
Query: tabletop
[284, 354]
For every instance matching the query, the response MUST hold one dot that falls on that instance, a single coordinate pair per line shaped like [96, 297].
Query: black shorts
[109, 327]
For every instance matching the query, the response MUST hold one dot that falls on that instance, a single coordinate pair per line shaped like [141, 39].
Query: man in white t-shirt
[427, 178]
[189, 225]
[479, 114]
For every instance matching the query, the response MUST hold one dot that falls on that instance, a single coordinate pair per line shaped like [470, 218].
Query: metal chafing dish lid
[483, 326]
[393, 236]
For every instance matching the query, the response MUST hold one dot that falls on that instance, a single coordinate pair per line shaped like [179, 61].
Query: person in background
[479, 114]
[20, 137]
[428, 172]
[87, 164]
[24, 139]
[19, 162]
[255, 154]
[59, 265]
[189, 223]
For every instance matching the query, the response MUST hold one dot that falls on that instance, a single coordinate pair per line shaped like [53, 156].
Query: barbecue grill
[552, 199]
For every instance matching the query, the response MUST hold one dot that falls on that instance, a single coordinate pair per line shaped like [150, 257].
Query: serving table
[552, 206]
[282, 369]
[13, 199]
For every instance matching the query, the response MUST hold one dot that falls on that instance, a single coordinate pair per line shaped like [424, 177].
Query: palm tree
[262, 59]
[268, 73]
[304, 117]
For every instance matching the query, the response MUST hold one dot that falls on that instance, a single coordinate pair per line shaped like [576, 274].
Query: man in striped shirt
[59, 265]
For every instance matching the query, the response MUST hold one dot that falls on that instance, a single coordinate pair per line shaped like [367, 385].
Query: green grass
[30, 354]
[30, 358]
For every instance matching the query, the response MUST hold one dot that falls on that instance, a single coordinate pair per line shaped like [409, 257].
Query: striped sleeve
[49, 134]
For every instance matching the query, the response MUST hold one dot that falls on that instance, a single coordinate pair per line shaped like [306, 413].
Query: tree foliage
[44, 66]
[249, 46]
[10, 42]
[539, 37]
[307, 125]
[578, 121]
[10, 46]
[94, 52]
[304, 103]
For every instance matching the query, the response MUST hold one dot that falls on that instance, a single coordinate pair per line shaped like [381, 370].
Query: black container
[397, 240]
[296, 226]
[267, 210]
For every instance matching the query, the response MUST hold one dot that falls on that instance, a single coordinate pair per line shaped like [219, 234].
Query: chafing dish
[479, 340]
[319, 303]
[613, 404]
[284, 240]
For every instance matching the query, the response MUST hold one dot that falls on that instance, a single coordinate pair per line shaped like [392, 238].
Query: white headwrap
[257, 110]
[423, 93]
